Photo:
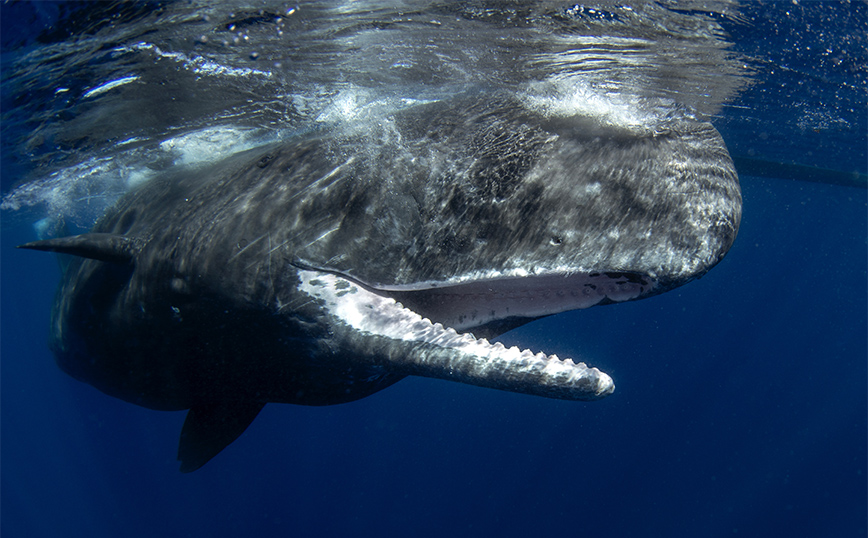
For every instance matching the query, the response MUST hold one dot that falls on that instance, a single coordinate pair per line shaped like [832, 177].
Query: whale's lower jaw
[379, 328]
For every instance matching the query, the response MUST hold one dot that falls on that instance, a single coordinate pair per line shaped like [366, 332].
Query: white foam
[355, 103]
[571, 96]
[102, 88]
[206, 145]
[79, 194]
[195, 63]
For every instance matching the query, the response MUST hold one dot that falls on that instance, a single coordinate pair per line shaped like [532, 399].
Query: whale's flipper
[210, 428]
[104, 247]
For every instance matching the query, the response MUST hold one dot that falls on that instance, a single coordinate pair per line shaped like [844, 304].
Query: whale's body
[326, 267]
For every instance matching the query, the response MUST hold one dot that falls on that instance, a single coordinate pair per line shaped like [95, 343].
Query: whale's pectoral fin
[210, 428]
[98, 246]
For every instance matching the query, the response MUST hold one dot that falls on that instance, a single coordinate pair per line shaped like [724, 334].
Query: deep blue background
[740, 407]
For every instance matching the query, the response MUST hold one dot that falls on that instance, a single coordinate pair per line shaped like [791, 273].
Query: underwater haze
[741, 406]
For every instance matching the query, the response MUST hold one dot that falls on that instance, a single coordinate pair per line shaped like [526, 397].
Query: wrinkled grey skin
[222, 289]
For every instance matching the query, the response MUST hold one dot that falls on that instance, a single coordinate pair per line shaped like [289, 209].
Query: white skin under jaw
[433, 350]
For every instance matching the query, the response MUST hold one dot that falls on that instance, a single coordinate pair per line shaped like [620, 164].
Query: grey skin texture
[324, 268]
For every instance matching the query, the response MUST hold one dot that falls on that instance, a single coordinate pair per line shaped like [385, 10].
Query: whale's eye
[127, 221]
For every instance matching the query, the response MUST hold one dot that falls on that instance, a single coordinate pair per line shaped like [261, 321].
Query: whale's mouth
[427, 320]
[493, 306]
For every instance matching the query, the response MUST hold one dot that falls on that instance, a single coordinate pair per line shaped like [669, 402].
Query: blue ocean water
[740, 407]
